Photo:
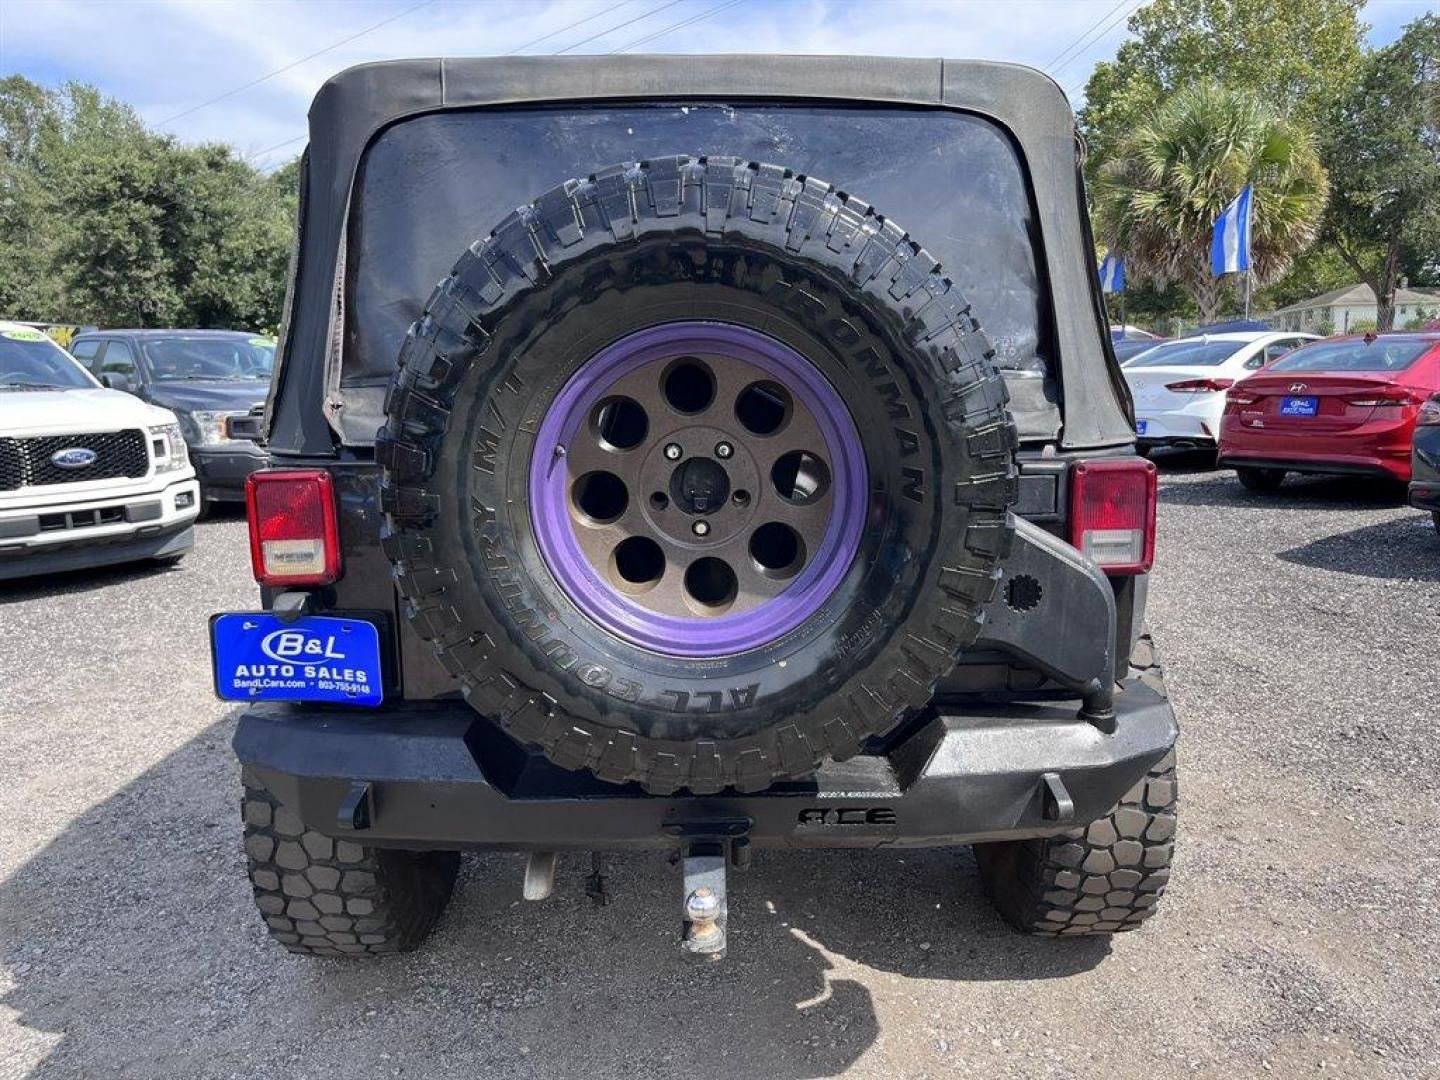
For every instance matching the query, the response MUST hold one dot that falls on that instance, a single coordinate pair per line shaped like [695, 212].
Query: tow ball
[702, 937]
[706, 847]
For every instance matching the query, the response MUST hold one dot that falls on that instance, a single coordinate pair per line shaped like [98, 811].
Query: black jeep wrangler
[702, 504]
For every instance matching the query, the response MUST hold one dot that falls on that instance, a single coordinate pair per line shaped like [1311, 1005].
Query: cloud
[166, 57]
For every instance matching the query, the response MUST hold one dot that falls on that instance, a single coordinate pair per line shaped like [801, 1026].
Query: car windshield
[1355, 354]
[31, 361]
[1198, 353]
[210, 359]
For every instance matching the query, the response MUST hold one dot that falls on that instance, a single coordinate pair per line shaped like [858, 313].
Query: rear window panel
[430, 186]
[1188, 354]
[1381, 354]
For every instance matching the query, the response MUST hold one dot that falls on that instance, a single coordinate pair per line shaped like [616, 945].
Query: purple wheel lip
[722, 635]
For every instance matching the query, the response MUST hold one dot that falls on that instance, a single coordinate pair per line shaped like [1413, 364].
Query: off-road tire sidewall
[938, 449]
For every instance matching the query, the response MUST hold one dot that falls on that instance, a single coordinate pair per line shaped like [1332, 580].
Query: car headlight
[210, 428]
[167, 446]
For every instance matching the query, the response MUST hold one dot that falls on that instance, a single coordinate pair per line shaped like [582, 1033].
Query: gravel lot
[1299, 934]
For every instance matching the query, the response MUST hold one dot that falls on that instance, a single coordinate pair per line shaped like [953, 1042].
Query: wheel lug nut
[723, 450]
[701, 528]
[673, 451]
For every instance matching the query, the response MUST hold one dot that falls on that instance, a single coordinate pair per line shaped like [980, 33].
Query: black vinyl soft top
[355, 106]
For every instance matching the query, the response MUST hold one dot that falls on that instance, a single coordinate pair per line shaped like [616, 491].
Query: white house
[1340, 309]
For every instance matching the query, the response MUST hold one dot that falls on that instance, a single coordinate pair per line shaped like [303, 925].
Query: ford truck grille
[27, 462]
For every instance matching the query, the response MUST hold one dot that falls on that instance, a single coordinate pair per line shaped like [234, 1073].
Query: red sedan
[1343, 405]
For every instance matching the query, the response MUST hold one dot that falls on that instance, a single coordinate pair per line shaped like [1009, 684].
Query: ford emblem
[74, 457]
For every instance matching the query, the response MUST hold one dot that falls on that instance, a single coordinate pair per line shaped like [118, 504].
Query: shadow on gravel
[99, 577]
[222, 511]
[1405, 549]
[134, 949]
[77, 581]
[1296, 493]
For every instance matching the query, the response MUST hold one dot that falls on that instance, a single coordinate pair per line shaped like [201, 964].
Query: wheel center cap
[699, 486]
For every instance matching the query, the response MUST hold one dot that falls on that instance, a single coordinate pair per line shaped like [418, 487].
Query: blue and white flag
[1112, 274]
[1230, 247]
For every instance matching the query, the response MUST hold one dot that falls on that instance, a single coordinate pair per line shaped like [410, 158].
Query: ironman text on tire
[697, 473]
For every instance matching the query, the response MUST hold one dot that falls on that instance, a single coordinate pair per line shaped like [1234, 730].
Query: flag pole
[1247, 294]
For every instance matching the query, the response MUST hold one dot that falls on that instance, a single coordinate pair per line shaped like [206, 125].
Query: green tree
[1320, 271]
[230, 229]
[29, 122]
[1382, 145]
[108, 174]
[1295, 55]
[1158, 197]
[109, 223]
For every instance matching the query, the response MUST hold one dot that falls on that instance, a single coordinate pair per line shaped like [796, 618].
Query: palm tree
[1158, 198]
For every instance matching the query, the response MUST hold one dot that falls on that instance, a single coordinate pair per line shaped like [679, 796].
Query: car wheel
[697, 474]
[1256, 479]
[1435, 519]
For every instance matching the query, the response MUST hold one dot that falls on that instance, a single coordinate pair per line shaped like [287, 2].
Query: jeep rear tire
[325, 897]
[697, 473]
[1102, 879]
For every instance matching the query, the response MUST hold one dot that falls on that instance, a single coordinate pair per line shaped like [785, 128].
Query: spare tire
[697, 473]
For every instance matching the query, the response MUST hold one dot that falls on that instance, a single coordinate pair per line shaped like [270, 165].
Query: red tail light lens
[1112, 513]
[1200, 386]
[1429, 414]
[1391, 396]
[1240, 397]
[293, 536]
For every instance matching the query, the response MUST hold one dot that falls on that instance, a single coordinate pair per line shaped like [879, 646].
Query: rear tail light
[1240, 396]
[1112, 513]
[1391, 396]
[1200, 386]
[1429, 412]
[293, 537]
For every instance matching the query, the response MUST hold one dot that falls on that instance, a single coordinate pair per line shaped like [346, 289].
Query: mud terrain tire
[712, 241]
[325, 897]
[1104, 878]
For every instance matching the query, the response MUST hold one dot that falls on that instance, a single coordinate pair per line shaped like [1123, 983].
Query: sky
[244, 73]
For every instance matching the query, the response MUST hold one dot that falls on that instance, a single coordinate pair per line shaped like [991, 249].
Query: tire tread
[1051, 885]
[321, 896]
[813, 221]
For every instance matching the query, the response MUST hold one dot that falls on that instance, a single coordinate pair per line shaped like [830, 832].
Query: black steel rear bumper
[439, 776]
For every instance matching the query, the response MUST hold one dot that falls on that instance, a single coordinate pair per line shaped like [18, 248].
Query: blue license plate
[1140, 426]
[259, 657]
[1299, 406]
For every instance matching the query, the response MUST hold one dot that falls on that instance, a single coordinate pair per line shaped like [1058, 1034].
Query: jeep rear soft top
[1025, 259]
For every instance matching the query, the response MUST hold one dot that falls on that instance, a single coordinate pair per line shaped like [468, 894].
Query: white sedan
[1179, 386]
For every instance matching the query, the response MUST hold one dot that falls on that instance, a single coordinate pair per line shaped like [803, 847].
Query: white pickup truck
[88, 476]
